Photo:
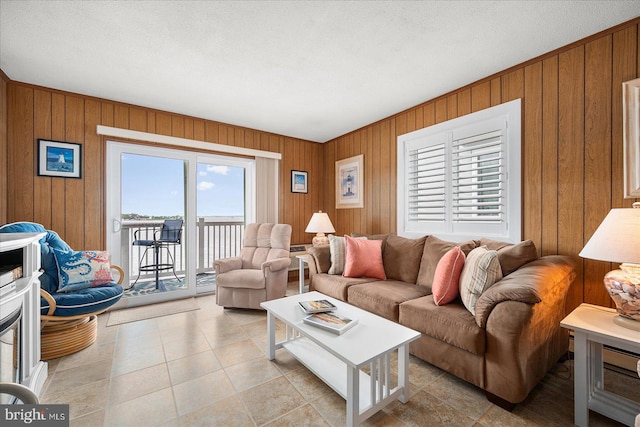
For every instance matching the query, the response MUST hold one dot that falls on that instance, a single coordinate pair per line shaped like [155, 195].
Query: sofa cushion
[336, 286]
[383, 297]
[511, 256]
[434, 249]
[446, 282]
[481, 270]
[82, 269]
[383, 237]
[401, 257]
[451, 323]
[364, 258]
[84, 301]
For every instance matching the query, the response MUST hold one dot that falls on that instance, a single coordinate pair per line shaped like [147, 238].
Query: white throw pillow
[481, 270]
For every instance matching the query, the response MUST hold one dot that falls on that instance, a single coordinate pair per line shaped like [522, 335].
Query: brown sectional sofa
[506, 348]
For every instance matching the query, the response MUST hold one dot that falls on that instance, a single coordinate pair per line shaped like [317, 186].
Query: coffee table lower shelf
[337, 375]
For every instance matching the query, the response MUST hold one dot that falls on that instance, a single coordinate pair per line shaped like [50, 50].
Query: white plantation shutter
[461, 178]
[427, 183]
[478, 178]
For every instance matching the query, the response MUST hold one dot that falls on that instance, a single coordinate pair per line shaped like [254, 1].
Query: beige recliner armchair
[261, 271]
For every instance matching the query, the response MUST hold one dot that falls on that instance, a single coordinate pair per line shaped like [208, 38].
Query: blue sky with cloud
[154, 186]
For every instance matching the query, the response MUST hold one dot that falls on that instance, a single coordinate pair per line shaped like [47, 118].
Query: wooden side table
[593, 327]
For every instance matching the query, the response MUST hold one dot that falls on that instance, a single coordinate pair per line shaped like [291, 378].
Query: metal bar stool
[170, 235]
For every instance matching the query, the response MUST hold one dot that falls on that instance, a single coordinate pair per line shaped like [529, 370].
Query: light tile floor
[209, 367]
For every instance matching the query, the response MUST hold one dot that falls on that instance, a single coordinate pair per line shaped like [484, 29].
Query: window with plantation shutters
[461, 179]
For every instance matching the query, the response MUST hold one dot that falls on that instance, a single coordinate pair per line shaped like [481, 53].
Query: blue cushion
[49, 280]
[84, 301]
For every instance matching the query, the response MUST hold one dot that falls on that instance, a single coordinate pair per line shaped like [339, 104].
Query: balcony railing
[217, 238]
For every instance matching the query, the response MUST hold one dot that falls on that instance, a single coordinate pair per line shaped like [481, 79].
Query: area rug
[150, 311]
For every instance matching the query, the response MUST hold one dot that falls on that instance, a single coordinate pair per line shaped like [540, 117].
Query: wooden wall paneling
[429, 115]
[532, 154]
[420, 117]
[441, 110]
[411, 120]
[21, 154]
[106, 113]
[188, 128]
[138, 119]
[93, 171]
[464, 102]
[480, 96]
[625, 68]
[212, 132]
[74, 188]
[349, 213]
[549, 175]
[199, 130]
[597, 167]
[393, 181]
[177, 126]
[151, 122]
[163, 124]
[58, 132]
[296, 163]
[571, 164]
[239, 137]
[41, 184]
[377, 179]
[387, 201]
[4, 103]
[358, 219]
[452, 106]
[121, 116]
[222, 134]
[329, 184]
[512, 85]
[496, 91]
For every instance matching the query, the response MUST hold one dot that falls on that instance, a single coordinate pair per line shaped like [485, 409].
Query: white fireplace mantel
[27, 294]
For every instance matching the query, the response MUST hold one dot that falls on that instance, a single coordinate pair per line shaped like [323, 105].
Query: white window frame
[505, 118]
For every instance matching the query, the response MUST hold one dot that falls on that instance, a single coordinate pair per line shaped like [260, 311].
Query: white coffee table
[338, 359]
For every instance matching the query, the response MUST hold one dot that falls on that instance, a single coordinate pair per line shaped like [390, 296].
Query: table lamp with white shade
[617, 239]
[320, 224]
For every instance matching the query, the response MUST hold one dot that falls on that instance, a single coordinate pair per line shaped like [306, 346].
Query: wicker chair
[68, 318]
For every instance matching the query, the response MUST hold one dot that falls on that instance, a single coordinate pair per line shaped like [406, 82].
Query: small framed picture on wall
[59, 159]
[299, 182]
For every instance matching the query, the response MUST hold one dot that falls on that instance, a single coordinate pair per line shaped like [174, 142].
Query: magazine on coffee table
[316, 306]
[331, 322]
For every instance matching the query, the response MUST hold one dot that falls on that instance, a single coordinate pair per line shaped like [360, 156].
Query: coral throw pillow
[364, 259]
[446, 281]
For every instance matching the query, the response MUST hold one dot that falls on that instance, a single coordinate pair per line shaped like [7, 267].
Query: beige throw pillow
[481, 270]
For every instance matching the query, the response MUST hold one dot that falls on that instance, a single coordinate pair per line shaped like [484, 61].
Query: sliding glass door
[207, 199]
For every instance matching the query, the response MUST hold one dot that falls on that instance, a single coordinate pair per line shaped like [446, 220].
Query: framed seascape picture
[299, 183]
[350, 183]
[61, 159]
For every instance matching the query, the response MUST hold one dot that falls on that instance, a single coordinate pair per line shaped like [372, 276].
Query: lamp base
[627, 323]
[623, 287]
[320, 240]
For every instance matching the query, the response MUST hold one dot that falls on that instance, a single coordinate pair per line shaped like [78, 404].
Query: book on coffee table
[316, 306]
[331, 322]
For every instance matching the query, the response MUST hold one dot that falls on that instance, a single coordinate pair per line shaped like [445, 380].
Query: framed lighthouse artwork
[59, 159]
[350, 183]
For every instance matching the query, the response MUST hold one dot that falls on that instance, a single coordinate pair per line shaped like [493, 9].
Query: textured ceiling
[311, 70]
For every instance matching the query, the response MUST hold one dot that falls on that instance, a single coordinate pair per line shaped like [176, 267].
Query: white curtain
[267, 185]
